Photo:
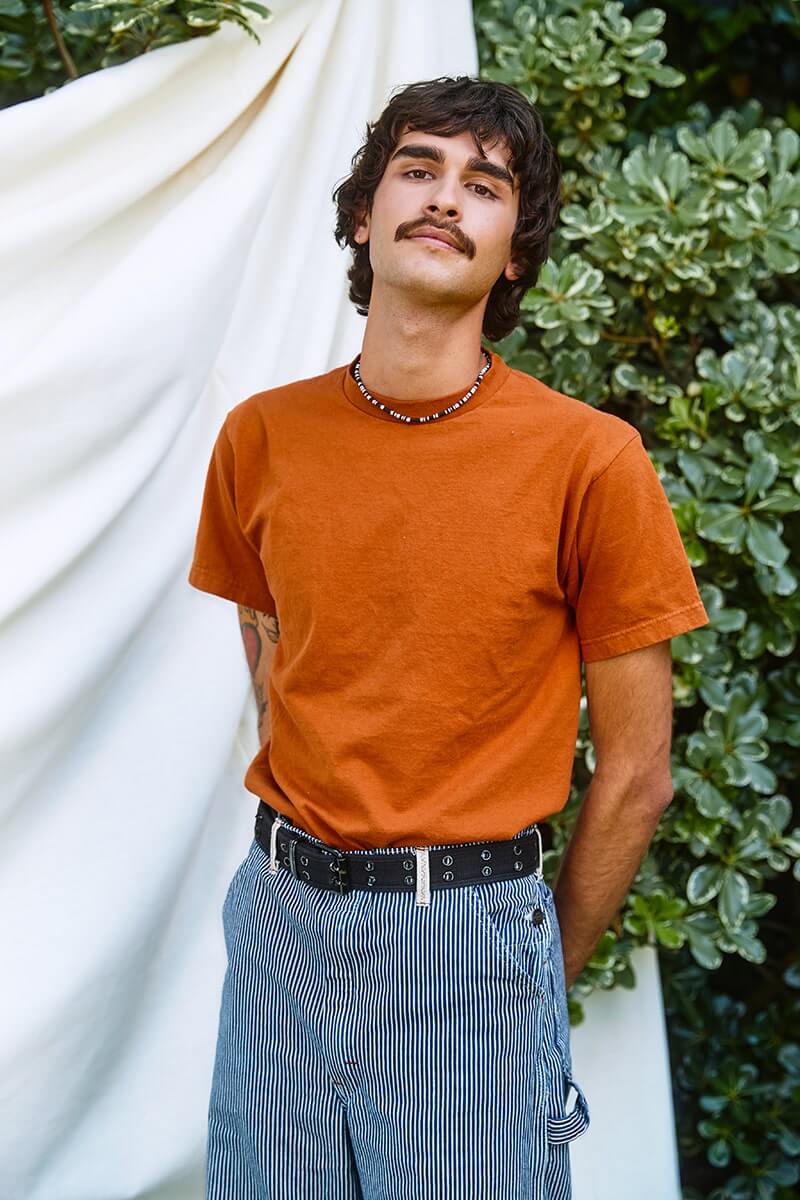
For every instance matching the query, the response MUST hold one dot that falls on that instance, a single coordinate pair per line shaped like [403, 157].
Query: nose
[443, 202]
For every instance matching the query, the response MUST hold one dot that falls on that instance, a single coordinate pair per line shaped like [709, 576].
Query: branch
[64, 53]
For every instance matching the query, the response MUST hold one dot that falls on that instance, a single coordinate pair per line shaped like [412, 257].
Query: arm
[260, 636]
[630, 717]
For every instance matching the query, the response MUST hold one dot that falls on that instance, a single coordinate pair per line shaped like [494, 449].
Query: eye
[486, 191]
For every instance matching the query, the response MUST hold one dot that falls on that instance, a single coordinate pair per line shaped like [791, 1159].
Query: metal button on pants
[373, 1049]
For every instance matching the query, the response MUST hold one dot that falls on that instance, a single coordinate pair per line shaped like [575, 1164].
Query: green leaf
[778, 502]
[627, 377]
[761, 474]
[750, 948]
[704, 883]
[670, 937]
[764, 543]
[786, 147]
[780, 258]
[720, 523]
[709, 800]
[703, 949]
[648, 24]
[203, 16]
[733, 897]
[719, 1154]
[723, 140]
[760, 905]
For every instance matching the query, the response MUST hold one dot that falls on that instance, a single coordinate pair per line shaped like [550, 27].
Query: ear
[512, 270]
[361, 232]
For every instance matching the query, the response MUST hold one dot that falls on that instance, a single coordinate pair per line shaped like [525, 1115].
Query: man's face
[442, 182]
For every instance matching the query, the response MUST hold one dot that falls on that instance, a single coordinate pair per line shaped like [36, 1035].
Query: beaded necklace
[431, 416]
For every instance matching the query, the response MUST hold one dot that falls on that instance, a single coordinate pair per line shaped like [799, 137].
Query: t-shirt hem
[645, 633]
[229, 589]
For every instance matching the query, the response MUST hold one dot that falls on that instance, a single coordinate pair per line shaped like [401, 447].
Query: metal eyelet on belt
[447, 861]
[407, 863]
[369, 866]
[486, 854]
[409, 878]
[448, 875]
[518, 849]
[304, 860]
[517, 866]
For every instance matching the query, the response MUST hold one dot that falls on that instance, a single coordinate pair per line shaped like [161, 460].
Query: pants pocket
[516, 917]
[231, 917]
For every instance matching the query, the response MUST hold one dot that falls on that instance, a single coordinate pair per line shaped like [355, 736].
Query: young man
[424, 544]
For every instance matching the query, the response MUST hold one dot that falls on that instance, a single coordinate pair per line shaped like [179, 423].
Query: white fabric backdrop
[166, 249]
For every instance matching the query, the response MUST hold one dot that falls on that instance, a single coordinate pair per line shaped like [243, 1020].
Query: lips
[438, 235]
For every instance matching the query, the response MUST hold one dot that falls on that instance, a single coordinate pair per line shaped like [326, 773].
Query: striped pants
[373, 1049]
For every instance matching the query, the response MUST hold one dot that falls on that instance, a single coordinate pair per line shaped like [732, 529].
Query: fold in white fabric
[166, 248]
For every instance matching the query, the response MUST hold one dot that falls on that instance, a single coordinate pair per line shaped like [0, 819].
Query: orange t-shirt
[436, 587]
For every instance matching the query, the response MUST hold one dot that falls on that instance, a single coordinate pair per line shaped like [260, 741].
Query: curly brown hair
[490, 111]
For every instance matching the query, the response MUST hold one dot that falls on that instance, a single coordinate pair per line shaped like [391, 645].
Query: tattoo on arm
[260, 633]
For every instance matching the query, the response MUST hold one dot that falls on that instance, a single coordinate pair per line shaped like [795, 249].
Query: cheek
[383, 224]
[490, 231]
[499, 239]
[491, 256]
[498, 255]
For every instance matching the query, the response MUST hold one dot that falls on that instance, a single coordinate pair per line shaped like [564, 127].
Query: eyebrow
[434, 154]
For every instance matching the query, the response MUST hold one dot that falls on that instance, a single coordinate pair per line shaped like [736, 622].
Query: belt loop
[423, 875]
[539, 872]
[273, 845]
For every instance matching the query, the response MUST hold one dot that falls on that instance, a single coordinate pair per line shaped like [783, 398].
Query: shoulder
[589, 437]
[256, 412]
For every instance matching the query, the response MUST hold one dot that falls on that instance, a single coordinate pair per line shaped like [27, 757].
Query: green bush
[44, 45]
[729, 50]
[669, 299]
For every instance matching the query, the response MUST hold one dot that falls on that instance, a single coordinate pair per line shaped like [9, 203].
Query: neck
[419, 355]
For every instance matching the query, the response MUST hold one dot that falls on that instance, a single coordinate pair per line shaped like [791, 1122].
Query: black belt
[394, 870]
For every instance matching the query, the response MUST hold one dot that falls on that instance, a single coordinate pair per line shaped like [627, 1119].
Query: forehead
[458, 145]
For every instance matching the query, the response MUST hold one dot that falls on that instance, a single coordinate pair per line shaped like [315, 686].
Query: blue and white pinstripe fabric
[373, 1049]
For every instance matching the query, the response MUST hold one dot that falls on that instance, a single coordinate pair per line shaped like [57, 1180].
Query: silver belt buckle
[423, 888]
[273, 845]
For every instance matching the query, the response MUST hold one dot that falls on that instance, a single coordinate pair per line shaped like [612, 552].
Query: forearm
[614, 828]
[260, 633]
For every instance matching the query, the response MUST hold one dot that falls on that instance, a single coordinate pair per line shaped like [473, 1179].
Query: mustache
[462, 241]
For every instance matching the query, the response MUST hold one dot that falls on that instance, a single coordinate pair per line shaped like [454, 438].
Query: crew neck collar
[493, 379]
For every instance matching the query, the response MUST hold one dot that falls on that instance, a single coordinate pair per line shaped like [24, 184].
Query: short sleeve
[225, 561]
[636, 583]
